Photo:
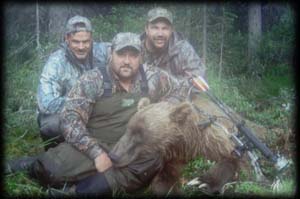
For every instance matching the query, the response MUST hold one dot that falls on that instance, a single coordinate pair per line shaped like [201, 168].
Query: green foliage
[20, 184]
[22, 137]
[277, 45]
[235, 63]
[18, 88]
[234, 43]
[287, 188]
[20, 126]
[196, 167]
[192, 170]
[269, 101]
[122, 19]
[252, 188]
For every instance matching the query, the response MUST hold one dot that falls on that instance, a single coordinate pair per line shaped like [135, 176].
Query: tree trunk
[254, 35]
[222, 44]
[188, 22]
[59, 13]
[58, 16]
[38, 45]
[204, 31]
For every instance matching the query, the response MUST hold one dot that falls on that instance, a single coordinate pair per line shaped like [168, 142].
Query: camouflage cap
[156, 13]
[126, 39]
[73, 27]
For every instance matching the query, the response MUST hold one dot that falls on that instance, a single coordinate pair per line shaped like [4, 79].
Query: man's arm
[50, 94]
[76, 113]
[190, 61]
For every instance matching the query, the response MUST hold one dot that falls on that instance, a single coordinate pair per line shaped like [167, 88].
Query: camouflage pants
[65, 164]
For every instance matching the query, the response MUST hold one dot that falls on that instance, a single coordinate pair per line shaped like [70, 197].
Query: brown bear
[177, 133]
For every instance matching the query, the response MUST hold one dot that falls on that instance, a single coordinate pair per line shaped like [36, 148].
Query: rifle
[245, 139]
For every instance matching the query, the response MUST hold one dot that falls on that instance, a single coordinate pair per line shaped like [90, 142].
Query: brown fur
[171, 131]
[220, 174]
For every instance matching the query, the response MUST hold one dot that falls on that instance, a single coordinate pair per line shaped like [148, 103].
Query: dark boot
[20, 164]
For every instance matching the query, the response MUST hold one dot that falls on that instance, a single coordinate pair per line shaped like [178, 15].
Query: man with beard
[77, 54]
[96, 112]
[167, 49]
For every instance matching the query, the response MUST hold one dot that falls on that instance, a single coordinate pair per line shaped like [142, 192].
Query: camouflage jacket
[179, 57]
[82, 98]
[61, 72]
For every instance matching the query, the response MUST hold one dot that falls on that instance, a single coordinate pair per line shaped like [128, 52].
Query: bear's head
[172, 131]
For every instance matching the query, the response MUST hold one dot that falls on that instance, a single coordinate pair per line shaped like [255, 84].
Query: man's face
[125, 62]
[158, 34]
[80, 44]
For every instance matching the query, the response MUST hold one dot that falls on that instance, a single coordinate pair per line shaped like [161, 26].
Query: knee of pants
[50, 131]
[49, 125]
[39, 172]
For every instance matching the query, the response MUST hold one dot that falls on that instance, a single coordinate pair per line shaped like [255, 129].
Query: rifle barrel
[246, 131]
[258, 144]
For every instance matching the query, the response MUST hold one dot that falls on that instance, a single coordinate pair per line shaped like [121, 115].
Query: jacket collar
[175, 42]
[88, 63]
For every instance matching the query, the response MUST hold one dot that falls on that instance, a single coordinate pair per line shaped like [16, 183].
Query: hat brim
[136, 47]
[160, 17]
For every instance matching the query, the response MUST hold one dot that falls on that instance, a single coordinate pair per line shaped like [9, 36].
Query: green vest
[110, 116]
[112, 112]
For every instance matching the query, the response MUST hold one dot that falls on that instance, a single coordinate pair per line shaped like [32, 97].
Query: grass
[243, 187]
[20, 185]
[22, 136]
[261, 100]
[20, 126]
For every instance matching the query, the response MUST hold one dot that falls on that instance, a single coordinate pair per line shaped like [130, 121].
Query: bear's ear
[143, 102]
[180, 113]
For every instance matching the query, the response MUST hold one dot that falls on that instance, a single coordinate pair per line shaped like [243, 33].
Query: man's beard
[128, 74]
[156, 49]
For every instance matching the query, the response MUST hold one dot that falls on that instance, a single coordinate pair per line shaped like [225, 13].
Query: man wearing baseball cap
[77, 54]
[167, 49]
[96, 112]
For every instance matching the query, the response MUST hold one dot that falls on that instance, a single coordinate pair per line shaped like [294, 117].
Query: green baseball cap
[126, 39]
[159, 12]
[72, 24]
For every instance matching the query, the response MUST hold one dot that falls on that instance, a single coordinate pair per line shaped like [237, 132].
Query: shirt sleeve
[50, 94]
[191, 62]
[77, 110]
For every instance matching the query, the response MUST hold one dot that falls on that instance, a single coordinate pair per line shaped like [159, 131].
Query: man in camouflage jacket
[166, 48]
[96, 112]
[77, 54]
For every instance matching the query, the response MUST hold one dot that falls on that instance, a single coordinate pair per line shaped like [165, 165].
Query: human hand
[102, 162]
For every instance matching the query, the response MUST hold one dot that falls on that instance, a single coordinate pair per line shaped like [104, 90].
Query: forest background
[248, 49]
